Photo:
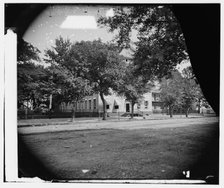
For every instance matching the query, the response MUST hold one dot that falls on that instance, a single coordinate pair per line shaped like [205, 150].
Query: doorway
[127, 107]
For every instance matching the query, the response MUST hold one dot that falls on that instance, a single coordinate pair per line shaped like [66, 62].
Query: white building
[93, 105]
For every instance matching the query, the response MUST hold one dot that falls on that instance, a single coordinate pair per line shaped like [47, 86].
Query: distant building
[93, 105]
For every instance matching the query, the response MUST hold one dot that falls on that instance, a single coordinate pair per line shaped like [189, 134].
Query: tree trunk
[34, 102]
[73, 112]
[171, 111]
[104, 106]
[187, 112]
[50, 101]
[199, 106]
[132, 109]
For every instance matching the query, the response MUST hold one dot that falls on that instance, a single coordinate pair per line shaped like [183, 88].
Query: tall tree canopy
[32, 79]
[101, 65]
[171, 91]
[188, 96]
[181, 90]
[133, 87]
[160, 45]
[86, 67]
[32, 83]
[65, 69]
[26, 52]
[193, 88]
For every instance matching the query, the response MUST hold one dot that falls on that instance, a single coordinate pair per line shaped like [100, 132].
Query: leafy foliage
[160, 46]
[26, 52]
[100, 64]
[171, 91]
[188, 73]
[80, 68]
[32, 83]
[133, 87]
[180, 90]
[188, 96]
[32, 79]
[66, 82]
[194, 89]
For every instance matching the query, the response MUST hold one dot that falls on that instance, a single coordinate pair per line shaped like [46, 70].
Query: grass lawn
[122, 154]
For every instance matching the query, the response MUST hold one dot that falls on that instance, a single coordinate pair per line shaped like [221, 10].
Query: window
[116, 107]
[154, 96]
[94, 103]
[85, 104]
[127, 107]
[146, 104]
[90, 105]
[107, 106]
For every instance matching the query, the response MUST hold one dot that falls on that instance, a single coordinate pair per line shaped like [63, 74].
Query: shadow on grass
[207, 165]
[30, 165]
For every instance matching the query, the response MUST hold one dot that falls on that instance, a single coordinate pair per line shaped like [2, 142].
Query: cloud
[79, 22]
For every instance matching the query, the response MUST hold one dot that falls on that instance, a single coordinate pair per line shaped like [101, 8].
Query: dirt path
[136, 124]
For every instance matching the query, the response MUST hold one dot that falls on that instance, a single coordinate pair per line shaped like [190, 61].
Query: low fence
[33, 115]
[49, 115]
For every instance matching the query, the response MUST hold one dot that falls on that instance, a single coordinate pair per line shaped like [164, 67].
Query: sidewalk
[67, 121]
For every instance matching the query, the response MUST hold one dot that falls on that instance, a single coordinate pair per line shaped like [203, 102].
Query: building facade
[93, 105]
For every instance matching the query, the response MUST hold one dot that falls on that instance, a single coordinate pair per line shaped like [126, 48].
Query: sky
[71, 22]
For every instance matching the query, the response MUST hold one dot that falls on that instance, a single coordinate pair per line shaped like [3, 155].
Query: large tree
[171, 91]
[26, 52]
[32, 78]
[193, 89]
[160, 45]
[32, 83]
[181, 90]
[133, 87]
[101, 64]
[188, 96]
[66, 70]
